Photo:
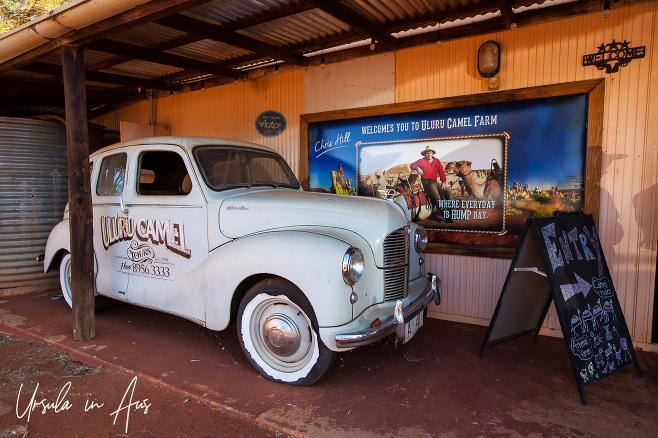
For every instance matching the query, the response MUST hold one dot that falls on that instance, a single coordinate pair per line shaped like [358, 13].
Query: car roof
[186, 142]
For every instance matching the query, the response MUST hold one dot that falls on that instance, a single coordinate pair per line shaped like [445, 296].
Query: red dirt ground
[158, 412]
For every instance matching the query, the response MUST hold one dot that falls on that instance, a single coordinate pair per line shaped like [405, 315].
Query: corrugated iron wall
[33, 194]
[552, 53]
[538, 55]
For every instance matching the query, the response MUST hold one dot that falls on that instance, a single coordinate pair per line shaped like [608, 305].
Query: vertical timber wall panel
[352, 84]
[229, 111]
[551, 53]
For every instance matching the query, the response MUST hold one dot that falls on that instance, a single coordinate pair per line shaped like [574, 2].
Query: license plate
[411, 327]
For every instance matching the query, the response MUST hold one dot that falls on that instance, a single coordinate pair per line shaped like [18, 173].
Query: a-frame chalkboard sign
[559, 259]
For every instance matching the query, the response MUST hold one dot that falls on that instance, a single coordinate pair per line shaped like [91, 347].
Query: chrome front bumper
[394, 324]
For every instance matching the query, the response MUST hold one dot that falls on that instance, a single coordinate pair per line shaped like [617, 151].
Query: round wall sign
[270, 123]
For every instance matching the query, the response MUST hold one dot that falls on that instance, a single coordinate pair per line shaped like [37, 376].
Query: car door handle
[124, 209]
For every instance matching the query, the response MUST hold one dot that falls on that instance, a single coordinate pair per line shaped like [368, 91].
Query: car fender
[58, 239]
[311, 261]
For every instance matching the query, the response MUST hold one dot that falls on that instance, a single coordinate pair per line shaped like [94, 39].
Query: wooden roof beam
[507, 13]
[217, 33]
[147, 54]
[32, 87]
[20, 101]
[357, 21]
[186, 39]
[37, 89]
[107, 78]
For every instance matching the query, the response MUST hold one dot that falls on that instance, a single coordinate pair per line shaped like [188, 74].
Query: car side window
[163, 173]
[112, 175]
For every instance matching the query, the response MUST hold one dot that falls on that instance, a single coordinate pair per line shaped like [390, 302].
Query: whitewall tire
[65, 278]
[278, 333]
[65, 283]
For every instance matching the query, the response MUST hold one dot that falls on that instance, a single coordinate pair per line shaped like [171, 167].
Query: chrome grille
[396, 265]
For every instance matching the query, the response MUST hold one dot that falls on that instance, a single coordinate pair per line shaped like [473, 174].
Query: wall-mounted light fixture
[372, 44]
[606, 9]
[489, 59]
[438, 36]
[276, 67]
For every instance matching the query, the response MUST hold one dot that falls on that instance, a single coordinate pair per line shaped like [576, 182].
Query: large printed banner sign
[471, 175]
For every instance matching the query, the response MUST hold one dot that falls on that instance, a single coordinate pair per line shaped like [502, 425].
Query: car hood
[267, 210]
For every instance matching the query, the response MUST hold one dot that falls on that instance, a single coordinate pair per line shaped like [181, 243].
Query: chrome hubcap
[281, 335]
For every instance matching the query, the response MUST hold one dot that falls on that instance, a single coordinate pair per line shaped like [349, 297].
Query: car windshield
[225, 167]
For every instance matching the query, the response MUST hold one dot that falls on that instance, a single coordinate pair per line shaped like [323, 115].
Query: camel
[409, 194]
[343, 187]
[490, 189]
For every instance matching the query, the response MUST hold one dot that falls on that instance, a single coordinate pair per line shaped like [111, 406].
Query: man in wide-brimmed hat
[430, 169]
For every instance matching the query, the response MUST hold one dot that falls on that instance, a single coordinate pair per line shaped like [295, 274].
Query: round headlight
[352, 265]
[420, 238]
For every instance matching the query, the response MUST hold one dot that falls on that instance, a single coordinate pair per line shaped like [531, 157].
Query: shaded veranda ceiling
[174, 46]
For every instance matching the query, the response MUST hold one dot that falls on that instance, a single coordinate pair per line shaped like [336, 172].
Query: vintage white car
[217, 230]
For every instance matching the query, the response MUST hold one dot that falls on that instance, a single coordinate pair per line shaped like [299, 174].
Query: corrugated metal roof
[296, 29]
[26, 76]
[224, 12]
[209, 51]
[147, 35]
[142, 69]
[222, 38]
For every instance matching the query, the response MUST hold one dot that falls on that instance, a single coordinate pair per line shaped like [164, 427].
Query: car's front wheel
[278, 333]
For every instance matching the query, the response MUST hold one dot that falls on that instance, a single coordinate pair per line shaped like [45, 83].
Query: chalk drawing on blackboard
[609, 309]
[597, 338]
[576, 324]
[567, 251]
[597, 311]
[572, 289]
[586, 318]
[582, 347]
[624, 346]
[602, 286]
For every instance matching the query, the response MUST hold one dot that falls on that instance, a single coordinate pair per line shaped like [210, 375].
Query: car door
[108, 182]
[170, 240]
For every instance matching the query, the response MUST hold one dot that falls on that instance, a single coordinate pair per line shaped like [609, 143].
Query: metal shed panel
[33, 194]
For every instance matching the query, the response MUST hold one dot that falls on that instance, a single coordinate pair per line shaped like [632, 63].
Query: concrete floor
[434, 386]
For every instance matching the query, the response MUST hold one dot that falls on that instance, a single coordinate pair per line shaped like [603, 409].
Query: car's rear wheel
[65, 283]
[278, 333]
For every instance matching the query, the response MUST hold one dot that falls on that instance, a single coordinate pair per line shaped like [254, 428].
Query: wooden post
[80, 208]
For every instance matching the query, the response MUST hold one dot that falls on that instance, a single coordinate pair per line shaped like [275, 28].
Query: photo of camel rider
[340, 177]
[430, 170]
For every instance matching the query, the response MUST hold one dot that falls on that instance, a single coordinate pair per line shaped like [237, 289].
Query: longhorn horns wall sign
[614, 55]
